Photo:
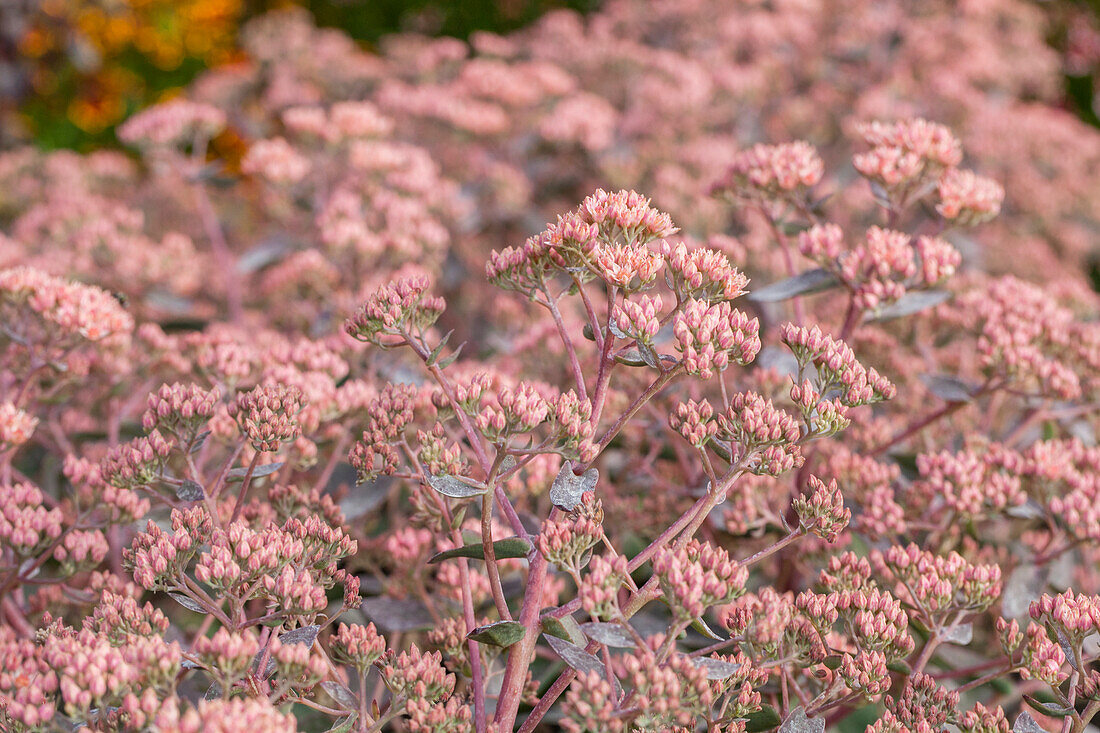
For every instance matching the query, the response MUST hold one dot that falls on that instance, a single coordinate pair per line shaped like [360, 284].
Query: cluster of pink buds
[396, 309]
[693, 421]
[767, 436]
[762, 619]
[179, 409]
[625, 214]
[512, 410]
[450, 716]
[638, 320]
[275, 160]
[1040, 656]
[923, 704]
[589, 705]
[1024, 336]
[668, 696]
[268, 415]
[884, 267]
[712, 336]
[388, 415]
[171, 124]
[631, 267]
[16, 426]
[940, 585]
[81, 549]
[225, 715]
[438, 453]
[416, 675]
[94, 674]
[297, 664]
[697, 576]
[1077, 616]
[26, 526]
[358, 646]
[865, 673]
[567, 541]
[136, 464]
[905, 152]
[599, 589]
[118, 616]
[27, 683]
[67, 310]
[227, 656]
[574, 419]
[822, 417]
[702, 273]
[822, 513]
[876, 621]
[981, 719]
[877, 271]
[972, 483]
[764, 171]
[837, 367]
[158, 558]
[967, 198]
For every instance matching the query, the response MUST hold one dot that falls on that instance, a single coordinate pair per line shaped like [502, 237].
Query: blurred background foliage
[70, 70]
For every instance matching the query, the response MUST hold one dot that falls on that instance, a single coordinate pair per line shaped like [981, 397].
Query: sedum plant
[330, 440]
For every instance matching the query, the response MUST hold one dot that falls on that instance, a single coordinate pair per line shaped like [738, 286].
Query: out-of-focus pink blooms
[967, 198]
[175, 123]
[275, 160]
[16, 426]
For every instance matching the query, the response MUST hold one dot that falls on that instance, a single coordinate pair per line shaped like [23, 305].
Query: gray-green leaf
[811, 281]
[455, 487]
[502, 633]
[565, 492]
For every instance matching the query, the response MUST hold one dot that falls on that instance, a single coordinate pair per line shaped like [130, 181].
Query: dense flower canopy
[689, 365]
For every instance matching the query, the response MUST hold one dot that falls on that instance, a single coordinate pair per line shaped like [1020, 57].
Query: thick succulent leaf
[454, 487]
[948, 388]
[344, 697]
[811, 281]
[716, 669]
[511, 547]
[797, 722]
[565, 492]
[502, 633]
[238, 474]
[911, 303]
[393, 614]
[609, 634]
[188, 602]
[190, 491]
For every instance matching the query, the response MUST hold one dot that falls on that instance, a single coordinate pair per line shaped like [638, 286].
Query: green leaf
[448, 360]
[506, 548]
[701, 626]
[502, 633]
[432, 357]
[565, 628]
[764, 719]
[455, 487]
[1052, 709]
